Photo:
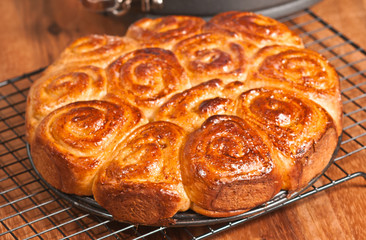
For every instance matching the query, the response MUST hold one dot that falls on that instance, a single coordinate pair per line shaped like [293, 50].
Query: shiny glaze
[291, 123]
[147, 166]
[78, 138]
[300, 67]
[96, 50]
[57, 89]
[213, 55]
[227, 153]
[193, 106]
[301, 70]
[256, 28]
[147, 76]
[165, 30]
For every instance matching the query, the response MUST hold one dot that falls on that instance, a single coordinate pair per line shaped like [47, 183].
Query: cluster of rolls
[181, 113]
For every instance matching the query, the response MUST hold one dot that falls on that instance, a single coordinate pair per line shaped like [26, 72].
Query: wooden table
[33, 33]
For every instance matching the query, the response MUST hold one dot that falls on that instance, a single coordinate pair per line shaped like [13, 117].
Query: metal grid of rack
[33, 211]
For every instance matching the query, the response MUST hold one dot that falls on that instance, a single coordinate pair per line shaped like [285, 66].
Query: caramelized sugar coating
[193, 106]
[147, 77]
[60, 88]
[227, 168]
[142, 183]
[180, 113]
[96, 50]
[214, 55]
[301, 69]
[295, 127]
[164, 31]
[74, 141]
[255, 28]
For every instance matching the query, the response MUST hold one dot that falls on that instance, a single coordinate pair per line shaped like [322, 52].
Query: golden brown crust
[73, 141]
[292, 125]
[227, 168]
[96, 50]
[61, 87]
[164, 31]
[193, 106]
[180, 113]
[147, 77]
[255, 28]
[142, 183]
[214, 55]
[299, 69]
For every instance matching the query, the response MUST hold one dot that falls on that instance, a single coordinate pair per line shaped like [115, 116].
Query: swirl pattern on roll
[96, 50]
[193, 106]
[256, 28]
[63, 87]
[214, 55]
[300, 69]
[291, 123]
[144, 176]
[78, 138]
[224, 156]
[164, 31]
[147, 77]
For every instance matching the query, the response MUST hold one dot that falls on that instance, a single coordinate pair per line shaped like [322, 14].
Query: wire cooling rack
[30, 210]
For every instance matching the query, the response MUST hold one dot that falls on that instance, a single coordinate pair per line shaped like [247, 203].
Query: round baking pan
[203, 8]
[274, 8]
[187, 218]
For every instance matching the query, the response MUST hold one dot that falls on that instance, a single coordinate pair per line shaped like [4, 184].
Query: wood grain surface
[34, 32]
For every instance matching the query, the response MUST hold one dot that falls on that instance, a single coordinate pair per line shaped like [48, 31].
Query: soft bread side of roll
[227, 168]
[142, 183]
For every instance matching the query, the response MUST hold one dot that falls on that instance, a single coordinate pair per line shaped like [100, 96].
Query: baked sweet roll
[96, 50]
[301, 134]
[147, 77]
[180, 114]
[74, 141]
[257, 29]
[214, 55]
[302, 70]
[227, 168]
[164, 31]
[142, 183]
[193, 106]
[61, 87]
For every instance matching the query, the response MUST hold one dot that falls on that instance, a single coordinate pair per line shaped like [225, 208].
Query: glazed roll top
[142, 183]
[165, 31]
[74, 141]
[295, 127]
[227, 168]
[60, 88]
[257, 29]
[147, 77]
[193, 106]
[302, 70]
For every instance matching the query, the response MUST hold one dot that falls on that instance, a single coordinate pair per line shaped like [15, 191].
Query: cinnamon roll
[147, 77]
[214, 55]
[96, 50]
[193, 106]
[302, 135]
[62, 87]
[255, 28]
[303, 70]
[142, 183]
[226, 167]
[74, 141]
[165, 31]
